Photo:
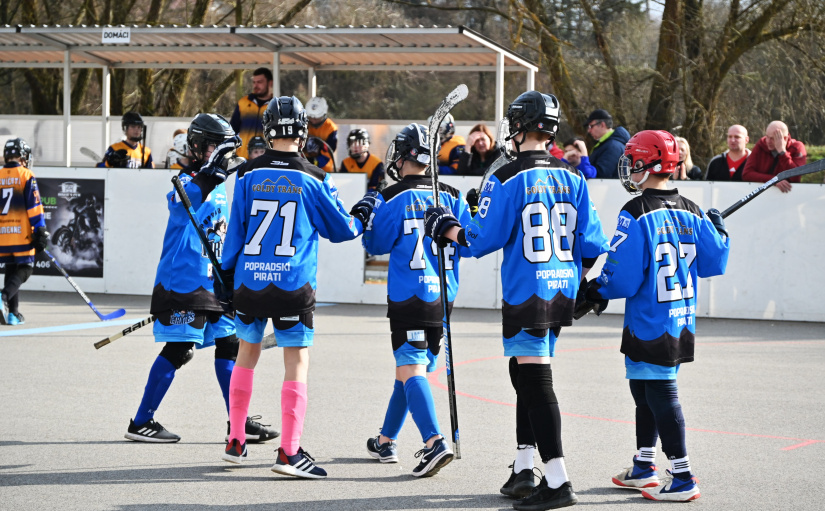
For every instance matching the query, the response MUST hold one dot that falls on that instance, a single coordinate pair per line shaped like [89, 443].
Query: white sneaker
[637, 478]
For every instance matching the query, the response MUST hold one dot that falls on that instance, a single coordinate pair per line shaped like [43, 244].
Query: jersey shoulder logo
[675, 226]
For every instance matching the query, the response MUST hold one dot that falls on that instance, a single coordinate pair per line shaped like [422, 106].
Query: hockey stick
[103, 317]
[455, 97]
[268, 341]
[126, 331]
[216, 266]
[143, 146]
[85, 151]
[330, 151]
[798, 171]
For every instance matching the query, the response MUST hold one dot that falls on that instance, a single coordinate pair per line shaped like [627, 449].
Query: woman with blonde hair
[687, 170]
[481, 150]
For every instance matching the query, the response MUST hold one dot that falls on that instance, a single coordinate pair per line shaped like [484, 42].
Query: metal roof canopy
[308, 49]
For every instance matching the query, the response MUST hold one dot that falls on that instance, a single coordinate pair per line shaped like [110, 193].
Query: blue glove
[225, 291]
[220, 163]
[716, 217]
[437, 221]
[363, 208]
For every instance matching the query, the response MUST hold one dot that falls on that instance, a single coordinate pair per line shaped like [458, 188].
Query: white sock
[524, 458]
[646, 455]
[555, 473]
[680, 465]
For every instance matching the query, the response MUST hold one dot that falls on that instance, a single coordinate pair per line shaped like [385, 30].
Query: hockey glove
[224, 291]
[117, 159]
[588, 299]
[363, 208]
[215, 165]
[40, 238]
[716, 217]
[472, 200]
[437, 221]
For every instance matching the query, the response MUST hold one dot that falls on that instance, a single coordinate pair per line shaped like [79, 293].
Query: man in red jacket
[774, 153]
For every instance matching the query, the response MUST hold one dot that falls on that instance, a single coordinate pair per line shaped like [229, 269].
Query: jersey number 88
[548, 231]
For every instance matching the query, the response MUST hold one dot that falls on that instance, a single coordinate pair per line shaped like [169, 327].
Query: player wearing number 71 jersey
[538, 210]
[282, 203]
[663, 243]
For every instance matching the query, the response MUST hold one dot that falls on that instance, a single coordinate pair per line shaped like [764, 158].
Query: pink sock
[293, 411]
[240, 392]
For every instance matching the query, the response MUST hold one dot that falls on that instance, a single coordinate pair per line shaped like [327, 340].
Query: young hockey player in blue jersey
[396, 227]
[663, 244]
[281, 205]
[538, 210]
[187, 314]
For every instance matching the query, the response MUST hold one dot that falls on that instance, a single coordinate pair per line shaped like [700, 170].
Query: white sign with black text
[116, 35]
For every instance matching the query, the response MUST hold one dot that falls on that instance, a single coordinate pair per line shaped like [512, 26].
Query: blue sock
[223, 370]
[160, 377]
[420, 401]
[396, 412]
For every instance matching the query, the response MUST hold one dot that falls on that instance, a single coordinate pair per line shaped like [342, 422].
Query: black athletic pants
[16, 275]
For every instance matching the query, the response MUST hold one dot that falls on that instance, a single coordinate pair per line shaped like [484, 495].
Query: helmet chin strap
[515, 142]
[638, 185]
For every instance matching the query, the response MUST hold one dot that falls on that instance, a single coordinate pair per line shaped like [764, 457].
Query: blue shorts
[290, 332]
[200, 327]
[529, 342]
[415, 345]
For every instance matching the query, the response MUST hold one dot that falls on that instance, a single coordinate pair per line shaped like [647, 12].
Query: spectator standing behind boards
[728, 165]
[775, 153]
[451, 146]
[322, 127]
[246, 119]
[479, 153]
[575, 153]
[360, 161]
[129, 153]
[686, 170]
[609, 145]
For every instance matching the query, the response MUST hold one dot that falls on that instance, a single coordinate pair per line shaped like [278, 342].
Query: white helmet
[179, 145]
[317, 108]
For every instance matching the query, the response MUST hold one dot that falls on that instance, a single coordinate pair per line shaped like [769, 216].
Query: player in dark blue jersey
[662, 245]
[186, 311]
[538, 210]
[281, 204]
[395, 225]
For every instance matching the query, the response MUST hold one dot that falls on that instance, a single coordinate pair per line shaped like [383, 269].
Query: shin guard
[240, 393]
[293, 411]
[524, 432]
[536, 383]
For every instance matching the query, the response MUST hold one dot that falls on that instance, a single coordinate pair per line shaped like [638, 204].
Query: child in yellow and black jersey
[129, 152]
[360, 161]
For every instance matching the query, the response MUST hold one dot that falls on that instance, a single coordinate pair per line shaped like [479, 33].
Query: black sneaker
[385, 453]
[255, 431]
[150, 431]
[235, 452]
[544, 497]
[519, 485]
[301, 464]
[433, 459]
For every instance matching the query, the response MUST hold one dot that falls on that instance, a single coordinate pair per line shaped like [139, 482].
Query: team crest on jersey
[280, 185]
[182, 317]
[674, 227]
[546, 186]
[419, 205]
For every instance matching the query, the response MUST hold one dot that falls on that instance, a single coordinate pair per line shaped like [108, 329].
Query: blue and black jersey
[663, 243]
[281, 204]
[184, 277]
[538, 210]
[396, 227]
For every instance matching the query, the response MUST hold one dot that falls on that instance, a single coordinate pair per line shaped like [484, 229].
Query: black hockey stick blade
[798, 171]
[126, 331]
[216, 266]
[103, 317]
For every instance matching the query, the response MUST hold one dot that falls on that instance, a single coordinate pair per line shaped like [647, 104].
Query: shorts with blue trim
[529, 342]
[414, 344]
[200, 327]
[290, 331]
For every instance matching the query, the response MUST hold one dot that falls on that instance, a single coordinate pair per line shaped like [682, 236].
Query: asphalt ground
[753, 403]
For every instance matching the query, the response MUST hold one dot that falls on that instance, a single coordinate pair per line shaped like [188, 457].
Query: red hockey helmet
[651, 152]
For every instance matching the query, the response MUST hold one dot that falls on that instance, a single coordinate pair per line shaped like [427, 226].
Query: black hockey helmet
[207, 129]
[18, 148]
[256, 142]
[131, 119]
[285, 117]
[534, 112]
[358, 136]
[411, 143]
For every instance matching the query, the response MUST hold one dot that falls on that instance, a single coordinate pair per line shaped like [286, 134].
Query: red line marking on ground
[433, 379]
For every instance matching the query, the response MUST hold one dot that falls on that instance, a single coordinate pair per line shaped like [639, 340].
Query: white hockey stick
[85, 151]
[455, 97]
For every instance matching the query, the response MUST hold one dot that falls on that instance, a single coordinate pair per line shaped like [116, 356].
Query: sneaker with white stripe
[299, 465]
[150, 431]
